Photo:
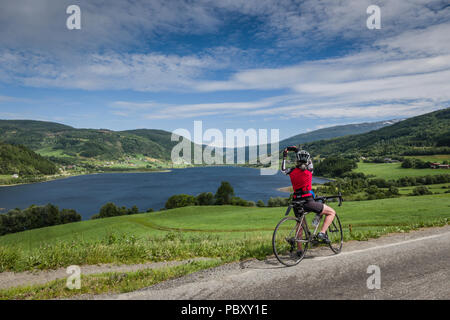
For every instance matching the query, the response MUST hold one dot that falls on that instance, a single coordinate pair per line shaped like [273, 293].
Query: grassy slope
[432, 158]
[417, 133]
[333, 132]
[392, 171]
[225, 233]
[53, 139]
[228, 222]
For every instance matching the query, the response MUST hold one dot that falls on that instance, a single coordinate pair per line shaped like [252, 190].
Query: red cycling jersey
[301, 180]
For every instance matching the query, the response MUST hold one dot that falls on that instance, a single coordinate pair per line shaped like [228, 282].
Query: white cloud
[140, 72]
[400, 70]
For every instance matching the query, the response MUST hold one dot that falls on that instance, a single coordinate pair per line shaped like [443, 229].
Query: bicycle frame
[303, 214]
[300, 234]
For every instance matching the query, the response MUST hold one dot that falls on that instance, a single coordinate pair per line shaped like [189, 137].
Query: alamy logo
[74, 280]
[74, 20]
[374, 281]
[241, 146]
[374, 20]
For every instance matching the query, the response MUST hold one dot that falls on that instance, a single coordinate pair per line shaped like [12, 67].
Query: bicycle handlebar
[339, 196]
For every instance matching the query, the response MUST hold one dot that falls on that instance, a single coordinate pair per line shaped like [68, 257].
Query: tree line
[34, 217]
[224, 196]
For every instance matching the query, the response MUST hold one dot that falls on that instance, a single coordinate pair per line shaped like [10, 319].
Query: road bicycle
[292, 234]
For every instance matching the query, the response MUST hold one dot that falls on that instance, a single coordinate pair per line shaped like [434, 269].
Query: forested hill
[424, 134]
[335, 131]
[21, 160]
[60, 140]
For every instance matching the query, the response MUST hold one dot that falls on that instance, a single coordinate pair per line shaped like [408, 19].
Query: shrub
[109, 210]
[407, 163]
[420, 191]
[260, 203]
[277, 202]
[180, 200]
[393, 190]
[205, 199]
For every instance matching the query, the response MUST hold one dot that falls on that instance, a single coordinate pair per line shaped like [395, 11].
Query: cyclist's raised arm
[283, 164]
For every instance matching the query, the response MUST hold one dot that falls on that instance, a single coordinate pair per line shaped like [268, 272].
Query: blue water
[87, 193]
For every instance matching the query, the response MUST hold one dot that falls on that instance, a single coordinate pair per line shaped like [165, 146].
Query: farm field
[432, 158]
[391, 171]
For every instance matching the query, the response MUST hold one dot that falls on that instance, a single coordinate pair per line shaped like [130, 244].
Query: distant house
[15, 176]
[437, 165]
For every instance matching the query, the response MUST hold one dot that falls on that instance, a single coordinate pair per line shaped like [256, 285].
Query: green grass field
[432, 158]
[222, 233]
[226, 232]
[391, 171]
[435, 188]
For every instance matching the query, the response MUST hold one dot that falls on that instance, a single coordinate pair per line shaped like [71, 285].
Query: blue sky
[295, 66]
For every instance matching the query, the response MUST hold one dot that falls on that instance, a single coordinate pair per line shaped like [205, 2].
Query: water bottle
[316, 220]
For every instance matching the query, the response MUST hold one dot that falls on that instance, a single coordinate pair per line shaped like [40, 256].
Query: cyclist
[301, 179]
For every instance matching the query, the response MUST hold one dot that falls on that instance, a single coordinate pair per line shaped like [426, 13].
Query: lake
[87, 193]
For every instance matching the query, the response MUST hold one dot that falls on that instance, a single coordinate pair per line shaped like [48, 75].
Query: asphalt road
[413, 265]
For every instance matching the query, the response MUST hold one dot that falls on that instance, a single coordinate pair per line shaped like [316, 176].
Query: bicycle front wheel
[335, 235]
[290, 241]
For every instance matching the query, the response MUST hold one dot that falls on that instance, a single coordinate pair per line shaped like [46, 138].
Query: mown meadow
[229, 233]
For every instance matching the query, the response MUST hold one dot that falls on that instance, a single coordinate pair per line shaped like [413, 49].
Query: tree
[134, 210]
[334, 167]
[224, 193]
[69, 215]
[420, 191]
[393, 190]
[109, 210]
[407, 163]
[205, 199]
[180, 200]
[260, 203]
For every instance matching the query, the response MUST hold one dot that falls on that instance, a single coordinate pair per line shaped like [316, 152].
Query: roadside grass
[112, 282]
[223, 232]
[392, 171]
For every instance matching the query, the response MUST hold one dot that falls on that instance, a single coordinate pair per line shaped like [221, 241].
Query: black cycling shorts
[313, 206]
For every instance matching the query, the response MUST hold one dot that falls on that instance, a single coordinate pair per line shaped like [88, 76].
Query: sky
[290, 65]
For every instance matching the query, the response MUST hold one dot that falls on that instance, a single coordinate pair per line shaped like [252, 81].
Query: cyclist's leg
[299, 233]
[329, 216]
[299, 229]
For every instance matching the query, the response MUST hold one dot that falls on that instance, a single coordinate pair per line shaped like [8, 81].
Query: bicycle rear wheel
[335, 235]
[288, 238]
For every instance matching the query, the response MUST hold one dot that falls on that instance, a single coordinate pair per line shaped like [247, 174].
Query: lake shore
[286, 189]
[58, 177]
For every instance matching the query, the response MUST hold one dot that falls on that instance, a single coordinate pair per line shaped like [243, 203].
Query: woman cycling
[301, 179]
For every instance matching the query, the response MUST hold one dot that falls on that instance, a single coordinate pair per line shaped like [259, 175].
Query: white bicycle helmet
[303, 156]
